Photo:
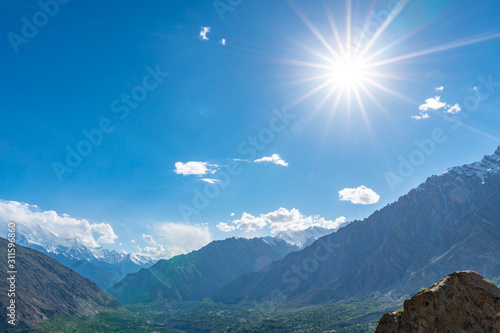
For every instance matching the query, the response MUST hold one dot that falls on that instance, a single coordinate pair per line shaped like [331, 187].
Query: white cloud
[282, 220]
[195, 168]
[232, 214]
[203, 33]
[183, 238]
[61, 225]
[432, 103]
[275, 158]
[453, 109]
[107, 235]
[439, 88]
[361, 195]
[422, 116]
[225, 227]
[249, 222]
[223, 41]
[210, 180]
[132, 241]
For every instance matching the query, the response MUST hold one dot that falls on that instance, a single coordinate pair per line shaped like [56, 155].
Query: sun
[350, 71]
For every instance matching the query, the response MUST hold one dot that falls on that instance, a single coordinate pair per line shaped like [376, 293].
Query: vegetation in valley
[104, 322]
[355, 315]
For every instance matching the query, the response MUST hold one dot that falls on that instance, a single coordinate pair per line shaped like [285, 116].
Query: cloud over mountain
[281, 220]
[60, 225]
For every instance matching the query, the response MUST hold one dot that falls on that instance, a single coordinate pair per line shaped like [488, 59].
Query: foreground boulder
[461, 302]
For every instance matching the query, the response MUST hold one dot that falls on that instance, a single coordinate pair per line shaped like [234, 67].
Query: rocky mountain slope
[102, 266]
[461, 302]
[449, 223]
[45, 289]
[201, 273]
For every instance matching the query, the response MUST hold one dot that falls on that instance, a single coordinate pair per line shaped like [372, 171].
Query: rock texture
[46, 289]
[461, 302]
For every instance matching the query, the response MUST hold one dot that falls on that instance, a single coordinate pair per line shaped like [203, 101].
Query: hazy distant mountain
[449, 223]
[201, 273]
[46, 289]
[102, 266]
[305, 237]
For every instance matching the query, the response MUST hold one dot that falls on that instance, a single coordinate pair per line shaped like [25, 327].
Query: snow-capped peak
[304, 237]
[489, 165]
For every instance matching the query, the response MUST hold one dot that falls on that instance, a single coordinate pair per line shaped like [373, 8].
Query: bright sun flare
[348, 72]
[346, 69]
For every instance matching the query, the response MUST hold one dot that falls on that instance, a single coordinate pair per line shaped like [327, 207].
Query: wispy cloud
[203, 33]
[439, 88]
[421, 116]
[360, 195]
[181, 237]
[195, 168]
[210, 180]
[274, 158]
[223, 41]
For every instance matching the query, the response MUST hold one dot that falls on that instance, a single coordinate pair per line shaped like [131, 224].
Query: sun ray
[392, 92]
[399, 7]
[445, 47]
[310, 93]
[334, 27]
[315, 31]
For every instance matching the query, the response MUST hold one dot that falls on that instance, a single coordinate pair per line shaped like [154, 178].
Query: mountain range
[200, 274]
[43, 288]
[102, 266]
[450, 222]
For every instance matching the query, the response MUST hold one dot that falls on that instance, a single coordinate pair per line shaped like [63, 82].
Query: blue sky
[201, 100]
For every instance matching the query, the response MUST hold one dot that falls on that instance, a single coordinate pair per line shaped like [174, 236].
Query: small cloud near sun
[434, 103]
[439, 88]
[203, 33]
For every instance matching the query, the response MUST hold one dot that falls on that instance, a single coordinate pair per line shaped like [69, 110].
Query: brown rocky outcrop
[461, 302]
